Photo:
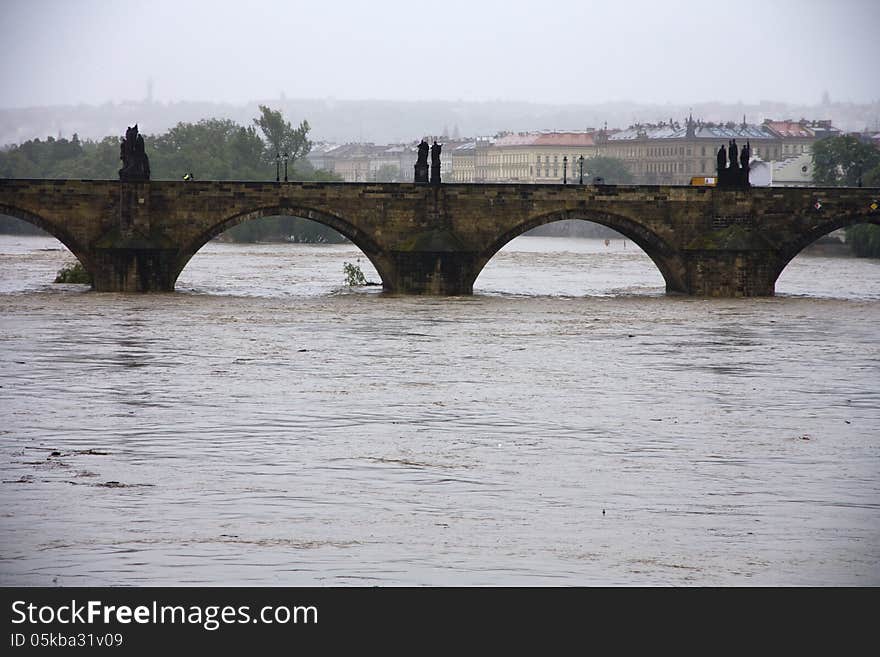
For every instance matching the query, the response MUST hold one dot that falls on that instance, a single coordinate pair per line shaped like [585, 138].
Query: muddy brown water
[568, 424]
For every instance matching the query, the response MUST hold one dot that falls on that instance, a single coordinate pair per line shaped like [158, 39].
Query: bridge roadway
[427, 239]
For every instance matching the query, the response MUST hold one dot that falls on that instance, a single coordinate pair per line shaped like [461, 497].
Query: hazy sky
[92, 51]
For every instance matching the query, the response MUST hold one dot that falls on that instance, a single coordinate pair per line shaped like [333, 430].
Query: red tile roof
[789, 129]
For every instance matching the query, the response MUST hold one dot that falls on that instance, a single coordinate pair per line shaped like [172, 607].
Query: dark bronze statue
[735, 176]
[135, 163]
[745, 156]
[732, 153]
[422, 163]
[435, 163]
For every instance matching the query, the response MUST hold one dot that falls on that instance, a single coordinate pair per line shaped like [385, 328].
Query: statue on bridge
[736, 174]
[745, 156]
[435, 163]
[135, 163]
[422, 163]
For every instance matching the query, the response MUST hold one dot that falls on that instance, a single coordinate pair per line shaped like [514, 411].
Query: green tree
[52, 158]
[212, 149]
[845, 161]
[386, 173]
[864, 240]
[872, 178]
[614, 171]
[841, 161]
[281, 137]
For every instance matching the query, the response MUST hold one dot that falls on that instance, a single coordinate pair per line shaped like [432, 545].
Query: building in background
[462, 162]
[533, 157]
[672, 153]
[365, 162]
[665, 153]
[794, 171]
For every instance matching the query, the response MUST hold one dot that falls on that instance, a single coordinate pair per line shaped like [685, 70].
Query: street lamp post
[581, 164]
[565, 169]
[285, 166]
[277, 167]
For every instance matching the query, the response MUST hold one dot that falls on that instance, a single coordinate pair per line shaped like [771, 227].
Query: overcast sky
[93, 51]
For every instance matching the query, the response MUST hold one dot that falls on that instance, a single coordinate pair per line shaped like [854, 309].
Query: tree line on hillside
[211, 149]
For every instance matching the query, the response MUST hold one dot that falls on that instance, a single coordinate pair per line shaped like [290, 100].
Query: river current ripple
[569, 424]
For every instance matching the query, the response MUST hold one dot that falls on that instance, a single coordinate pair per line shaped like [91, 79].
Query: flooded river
[569, 424]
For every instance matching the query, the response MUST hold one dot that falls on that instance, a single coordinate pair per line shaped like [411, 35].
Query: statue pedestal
[731, 178]
[421, 173]
[435, 174]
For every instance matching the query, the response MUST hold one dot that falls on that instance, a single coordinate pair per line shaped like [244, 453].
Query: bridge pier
[134, 270]
[730, 273]
[431, 272]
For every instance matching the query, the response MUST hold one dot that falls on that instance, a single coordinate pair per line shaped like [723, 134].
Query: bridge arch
[666, 259]
[358, 237]
[793, 248]
[59, 233]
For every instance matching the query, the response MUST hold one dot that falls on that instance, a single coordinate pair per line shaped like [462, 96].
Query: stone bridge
[435, 239]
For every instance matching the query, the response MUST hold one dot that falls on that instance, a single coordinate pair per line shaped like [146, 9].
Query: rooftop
[545, 139]
[789, 128]
[701, 131]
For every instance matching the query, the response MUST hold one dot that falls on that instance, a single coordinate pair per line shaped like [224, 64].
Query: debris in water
[25, 479]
